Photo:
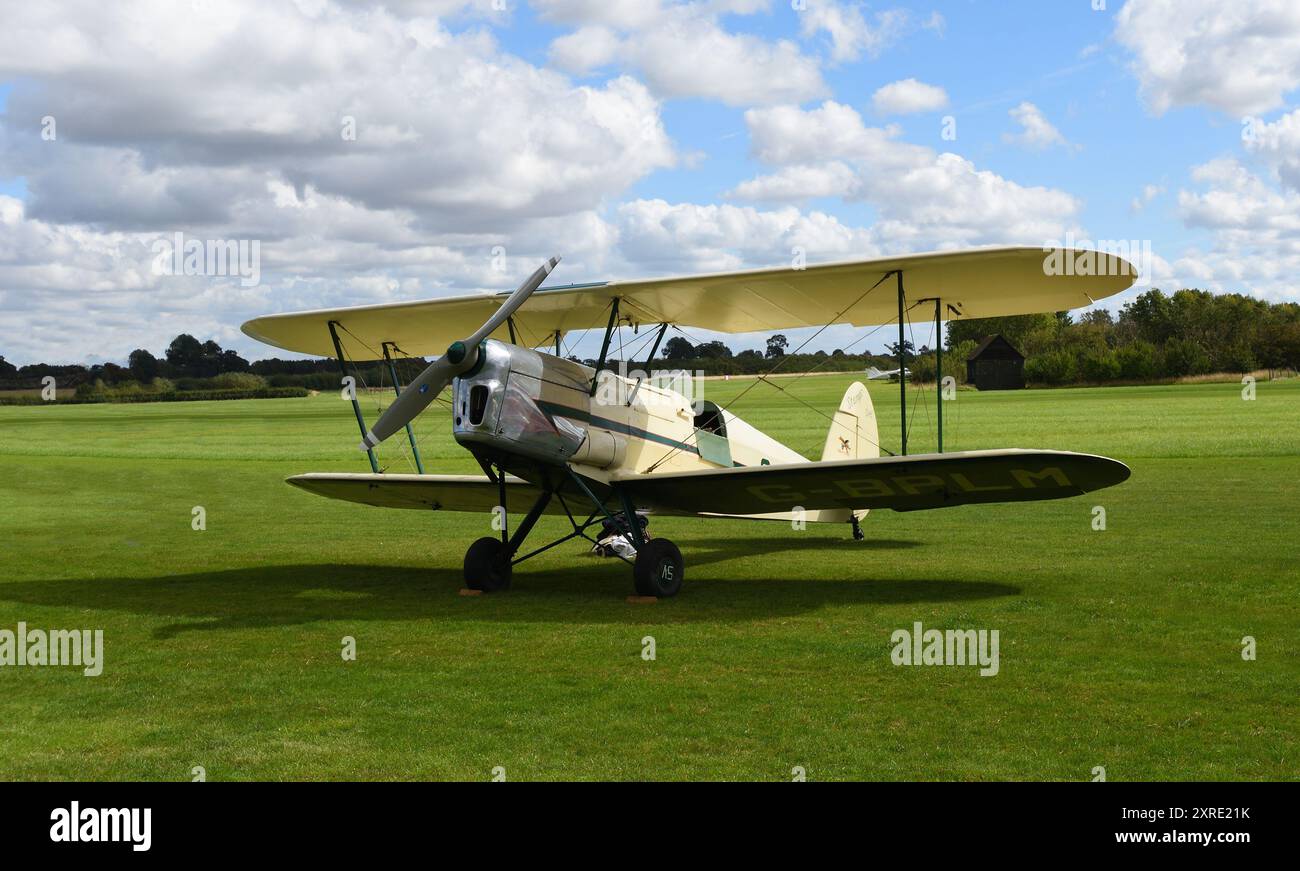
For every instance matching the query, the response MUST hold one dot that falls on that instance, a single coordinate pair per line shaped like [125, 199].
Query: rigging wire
[405, 357]
[676, 449]
[917, 387]
[361, 380]
[793, 379]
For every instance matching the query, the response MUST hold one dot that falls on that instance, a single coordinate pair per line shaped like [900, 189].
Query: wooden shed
[996, 365]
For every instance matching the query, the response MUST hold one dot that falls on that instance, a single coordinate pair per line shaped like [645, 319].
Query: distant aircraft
[874, 374]
[555, 436]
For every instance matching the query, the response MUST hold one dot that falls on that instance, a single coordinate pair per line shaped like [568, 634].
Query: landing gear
[857, 528]
[487, 565]
[658, 569]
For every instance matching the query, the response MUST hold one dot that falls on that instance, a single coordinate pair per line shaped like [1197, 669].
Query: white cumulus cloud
[1036, 132]
[682, 50]
[1241, 57]
[923, 199]
[907, 96]
[849, 32]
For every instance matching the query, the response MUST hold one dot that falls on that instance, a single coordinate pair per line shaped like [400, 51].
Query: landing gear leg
[489, 561]
[857, 529]
[659, 569]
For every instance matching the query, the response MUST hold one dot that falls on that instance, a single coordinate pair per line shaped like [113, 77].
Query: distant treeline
[155, 393]
[715, 358]
[189, 367]
[1154, 337]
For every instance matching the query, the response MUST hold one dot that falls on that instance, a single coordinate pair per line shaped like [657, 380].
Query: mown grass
[1119, 648]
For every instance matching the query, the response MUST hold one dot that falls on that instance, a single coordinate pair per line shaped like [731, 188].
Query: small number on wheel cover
[658, 570]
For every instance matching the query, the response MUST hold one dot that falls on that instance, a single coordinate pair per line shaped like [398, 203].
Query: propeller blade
[415, 398]
[460, 356]
[515, 300]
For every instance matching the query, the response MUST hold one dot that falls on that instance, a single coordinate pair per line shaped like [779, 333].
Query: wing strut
[938, 369]
[663, 328]
[397, 388]
[902, 359]
[356, 405]
[604, 345]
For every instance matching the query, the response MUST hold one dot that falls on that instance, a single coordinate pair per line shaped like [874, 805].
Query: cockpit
[711, 433]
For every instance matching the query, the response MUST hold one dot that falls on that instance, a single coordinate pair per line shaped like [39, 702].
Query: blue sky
[635, 138]
[989, 57]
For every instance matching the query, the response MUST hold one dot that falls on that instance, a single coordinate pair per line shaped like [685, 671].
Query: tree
[1014, 328]
[776, 345]
[1279, 345]
[7, 369]
[110, 372]
[143, 365]
[1151, 314]
[678, 348]
[715, 350]
[229, 361]
[1184, 357]
[185, 354]
[892, 348]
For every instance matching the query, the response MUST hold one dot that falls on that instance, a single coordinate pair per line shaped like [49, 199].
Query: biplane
[554, 436]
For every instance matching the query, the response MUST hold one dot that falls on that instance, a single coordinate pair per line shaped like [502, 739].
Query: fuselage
[522, 409]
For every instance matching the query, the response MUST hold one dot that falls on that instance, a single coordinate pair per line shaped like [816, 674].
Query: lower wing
[907, 483]
[429, 492]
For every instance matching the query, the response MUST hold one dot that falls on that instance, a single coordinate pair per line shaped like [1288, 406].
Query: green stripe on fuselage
[554, 408]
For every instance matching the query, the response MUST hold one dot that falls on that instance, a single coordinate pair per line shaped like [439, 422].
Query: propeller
[460, 357]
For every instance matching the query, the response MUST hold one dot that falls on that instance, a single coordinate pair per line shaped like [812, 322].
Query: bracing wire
[794, 379]
[917, 387]
[781, 360]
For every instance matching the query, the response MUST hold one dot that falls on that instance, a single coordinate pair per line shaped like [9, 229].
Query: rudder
[853, 434]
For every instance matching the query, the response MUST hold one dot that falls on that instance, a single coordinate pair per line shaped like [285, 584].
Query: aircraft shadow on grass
[591, 591]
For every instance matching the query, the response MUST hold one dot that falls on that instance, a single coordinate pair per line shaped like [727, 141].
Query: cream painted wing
[990, 282]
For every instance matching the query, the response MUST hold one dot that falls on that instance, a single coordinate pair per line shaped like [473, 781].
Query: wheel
[487, 565]
[658, 569]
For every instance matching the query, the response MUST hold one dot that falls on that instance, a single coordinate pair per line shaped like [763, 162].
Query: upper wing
[902, 483]
[981, 283]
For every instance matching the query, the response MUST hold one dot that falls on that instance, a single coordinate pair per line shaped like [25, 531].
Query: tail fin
[853, 434]
[873, 372]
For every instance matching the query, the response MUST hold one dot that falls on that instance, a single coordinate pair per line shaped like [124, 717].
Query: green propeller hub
[456, 352]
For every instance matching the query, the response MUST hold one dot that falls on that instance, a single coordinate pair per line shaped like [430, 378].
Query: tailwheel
[487, 565]
[658, 569]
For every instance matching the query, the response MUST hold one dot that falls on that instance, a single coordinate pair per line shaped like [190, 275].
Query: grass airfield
[1119, 648]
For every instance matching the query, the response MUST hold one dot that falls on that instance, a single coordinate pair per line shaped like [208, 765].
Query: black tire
[658, 570]
[487, 565]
